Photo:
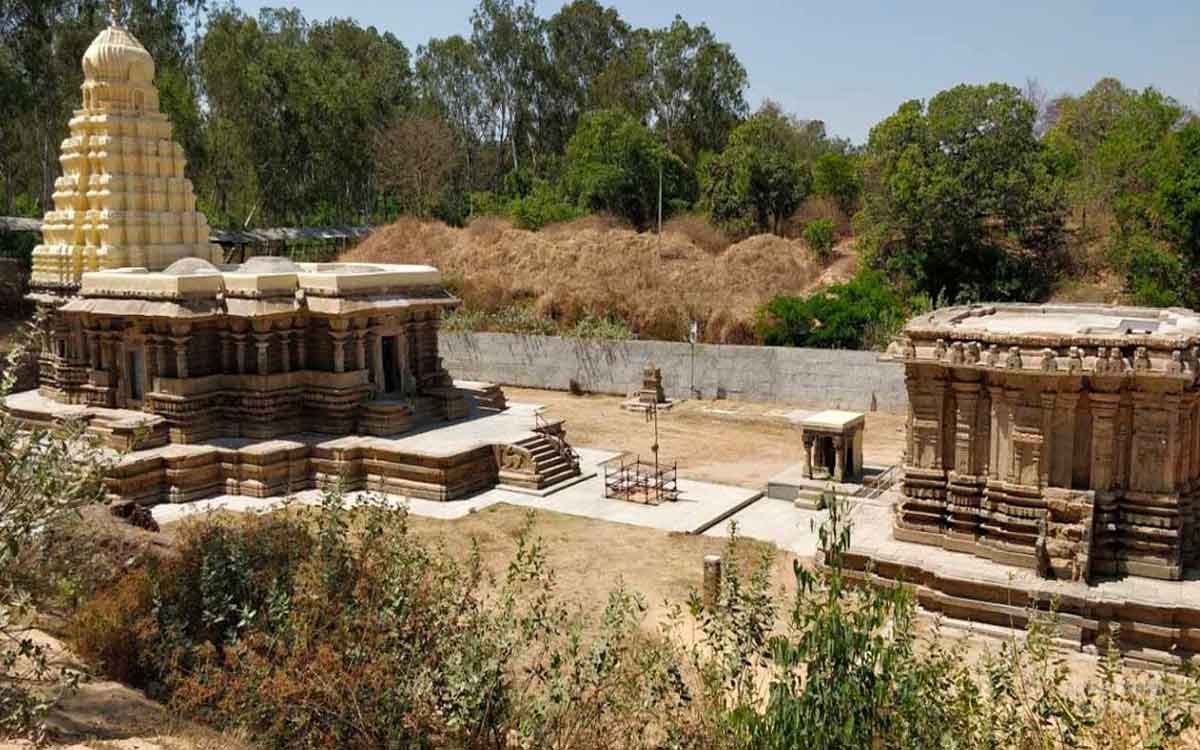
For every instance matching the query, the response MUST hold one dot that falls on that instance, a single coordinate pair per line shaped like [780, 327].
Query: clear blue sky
[852, 62]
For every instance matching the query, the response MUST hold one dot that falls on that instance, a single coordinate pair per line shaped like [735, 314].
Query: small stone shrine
[833, 445]
[650, 395]
[1052, 461]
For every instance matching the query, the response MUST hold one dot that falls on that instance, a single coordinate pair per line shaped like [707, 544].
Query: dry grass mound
[595, 266]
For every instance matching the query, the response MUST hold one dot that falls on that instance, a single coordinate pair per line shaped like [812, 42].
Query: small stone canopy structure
[123, 199]
[1063, 438]
[833, 445]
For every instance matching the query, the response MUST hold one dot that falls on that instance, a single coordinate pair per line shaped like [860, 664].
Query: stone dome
[190, 267]
[116, 55]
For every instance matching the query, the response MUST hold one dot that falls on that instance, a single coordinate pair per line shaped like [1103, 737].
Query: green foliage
[613, 163]
[1155, 275]
[820, 237]
[835, 175]
[757, 181]
[1177, 198]
[540, 207]
[45, 478]
[960, 199]
[841, 316]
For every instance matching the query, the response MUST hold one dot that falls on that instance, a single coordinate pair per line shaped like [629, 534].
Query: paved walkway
[700, 505]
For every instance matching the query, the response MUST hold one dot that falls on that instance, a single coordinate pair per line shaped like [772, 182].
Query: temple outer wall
[834, 378]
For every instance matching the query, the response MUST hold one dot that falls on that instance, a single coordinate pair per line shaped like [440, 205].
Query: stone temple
[1052, 460]
[258, 379]
[1065, 439]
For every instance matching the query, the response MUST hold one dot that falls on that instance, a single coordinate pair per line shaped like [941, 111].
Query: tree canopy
[960, 199]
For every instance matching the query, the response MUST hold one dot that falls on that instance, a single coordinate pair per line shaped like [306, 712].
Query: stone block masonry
[833, 378]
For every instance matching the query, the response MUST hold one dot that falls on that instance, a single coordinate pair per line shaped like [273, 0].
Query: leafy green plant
[1155, 275]
[819, 235]
[45, 478]
[841, 316]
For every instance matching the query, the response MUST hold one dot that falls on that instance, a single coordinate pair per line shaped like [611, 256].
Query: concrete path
[701, 505]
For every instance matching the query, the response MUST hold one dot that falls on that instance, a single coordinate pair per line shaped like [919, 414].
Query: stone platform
[794, 485]
[1159, 620]
[702, 506]
[446, 461]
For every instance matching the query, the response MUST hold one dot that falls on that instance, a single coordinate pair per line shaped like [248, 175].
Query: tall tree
[697, 87]
[759, 179]
[584, 39]
[507, 36]
[959, 199]
[613, 164]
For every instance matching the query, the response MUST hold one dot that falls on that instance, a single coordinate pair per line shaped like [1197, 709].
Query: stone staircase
[545, 460]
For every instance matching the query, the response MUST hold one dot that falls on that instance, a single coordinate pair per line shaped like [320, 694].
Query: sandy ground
[742, 443]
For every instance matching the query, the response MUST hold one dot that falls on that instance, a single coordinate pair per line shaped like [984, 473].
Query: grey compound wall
[827, 377]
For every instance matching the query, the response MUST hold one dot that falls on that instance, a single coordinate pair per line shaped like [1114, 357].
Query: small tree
[613, 163]
[835, 175]
[756, 181]
[819, 235]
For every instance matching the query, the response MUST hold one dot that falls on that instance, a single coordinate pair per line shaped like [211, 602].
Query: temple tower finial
[114, 13]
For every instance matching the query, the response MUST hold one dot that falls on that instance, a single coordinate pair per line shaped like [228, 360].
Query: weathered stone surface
[1076, 453]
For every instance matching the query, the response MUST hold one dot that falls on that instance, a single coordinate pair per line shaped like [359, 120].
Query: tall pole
[660, 198]
[659, 245]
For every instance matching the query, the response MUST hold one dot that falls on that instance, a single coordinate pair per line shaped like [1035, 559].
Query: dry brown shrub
[599, 222]
[700, 231]
[817, 207]
[656, 284]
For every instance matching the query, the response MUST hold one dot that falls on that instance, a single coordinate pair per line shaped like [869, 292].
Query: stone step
[809, 499]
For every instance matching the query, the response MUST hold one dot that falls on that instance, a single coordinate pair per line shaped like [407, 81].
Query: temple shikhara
[260, 378]
[123, 199]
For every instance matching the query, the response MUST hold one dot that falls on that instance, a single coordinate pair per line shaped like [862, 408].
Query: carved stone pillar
[301, 354]
[262, 342]
[93, 341]
[181, 356]
[150, 348]
[1064, 440]
[160, 356]
[839, 460]
[226, 352]
[966, 400]
[285, 354]
[1104, 412]
[807, 461]
[239, 347]
[377, 377]
[360, 349]
[1046, 463]
[339, 350]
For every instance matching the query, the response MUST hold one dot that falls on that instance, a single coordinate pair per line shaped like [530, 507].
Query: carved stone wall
[1071, 462]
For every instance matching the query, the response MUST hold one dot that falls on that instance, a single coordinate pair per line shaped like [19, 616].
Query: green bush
[1155, 275]
[841, 316]
[819, 234]
[540, 207]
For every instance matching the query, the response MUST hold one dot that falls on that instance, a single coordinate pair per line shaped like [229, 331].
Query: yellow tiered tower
[122, 200]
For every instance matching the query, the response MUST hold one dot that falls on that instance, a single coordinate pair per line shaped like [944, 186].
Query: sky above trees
[852, 63]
